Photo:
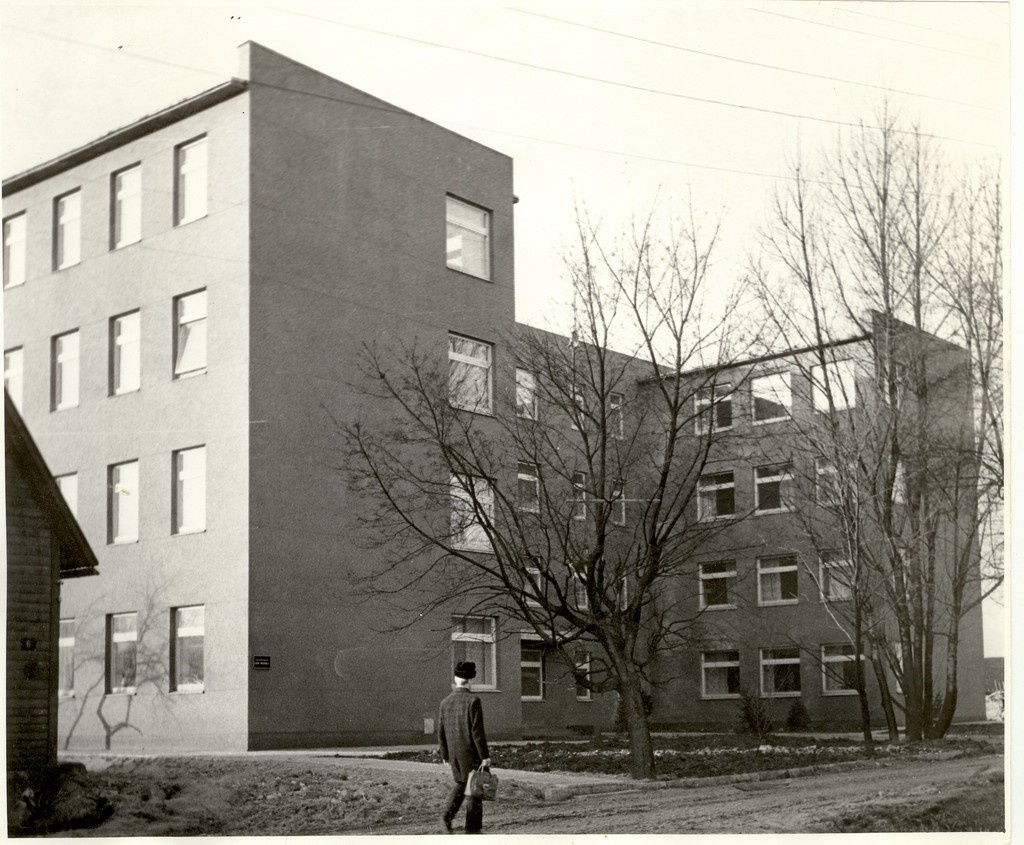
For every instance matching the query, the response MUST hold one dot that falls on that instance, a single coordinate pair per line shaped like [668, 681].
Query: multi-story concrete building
[186, 302]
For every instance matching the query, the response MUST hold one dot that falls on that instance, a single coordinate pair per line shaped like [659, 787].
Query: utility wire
[750, 62]
[839, 8]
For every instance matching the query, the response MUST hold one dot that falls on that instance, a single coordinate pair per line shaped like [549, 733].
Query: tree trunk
[862, 690]
[885, 696]
[640, 744]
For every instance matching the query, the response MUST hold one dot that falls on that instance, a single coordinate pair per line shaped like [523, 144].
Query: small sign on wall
[28, 643]
[261, 661]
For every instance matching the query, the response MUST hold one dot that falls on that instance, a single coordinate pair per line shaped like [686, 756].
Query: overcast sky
[616, 105]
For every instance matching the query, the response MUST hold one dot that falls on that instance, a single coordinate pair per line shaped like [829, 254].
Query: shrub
[798, 719]
[754, 716]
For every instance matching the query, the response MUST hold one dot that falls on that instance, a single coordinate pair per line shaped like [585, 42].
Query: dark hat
[465, 670]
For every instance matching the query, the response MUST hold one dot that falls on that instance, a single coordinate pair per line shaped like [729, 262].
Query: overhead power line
[845, 11]
[750, 62]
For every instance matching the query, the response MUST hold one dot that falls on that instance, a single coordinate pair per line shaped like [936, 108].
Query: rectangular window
[68, 485]
[716, 496]
[64, 371]
[619, 503]
[777, 580]
[125, 354]
[528, 489]
[66, 659]
[189, 506]
[14, 375]
[579, 496]
[472, 502]
[122, 642]
[772, 398]
[838, 669]
[582, 676]
[826, 483]
[67, 230]
[771, 488]
[190, 334]
[535, 588]
[473, 639]
[837, 379]
[717, 582]
[580, 597]
[780, 671]
[531, 662]
[469, 374]
[616, 415]
[714, 408]
[836, 577]
[469, 233]
[187, 653]
[720, 673]
[899, 485]
[123, 502]
[14, 250]
[190, 181]
[126, 207]
[526, 394]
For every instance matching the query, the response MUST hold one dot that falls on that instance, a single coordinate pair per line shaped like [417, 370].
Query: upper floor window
[720, 674]
[528, 487]
[187, 651]
[826, 483]
[716, 496]
[64, 371]
[14, 375]
[14, 250]
[125, 354]
[717, 583]
[474, 640]
[469, 374]
[714, 408]
[126, 207]
[616, 416]
[837, 577]
[67, 230]
[618, 503]
[579, 493]
[771, 488]
[123, 502]
[190, 181]
[777, 580]
[68, 486]
[472, 506]
[122, 644]
[189, 506]
[838, 380]
[469, 236]
[190, 334]
[531, 662]
[66, 658]
[526, 394]
[772, 398]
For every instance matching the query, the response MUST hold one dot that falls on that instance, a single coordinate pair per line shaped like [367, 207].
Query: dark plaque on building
[261, 661]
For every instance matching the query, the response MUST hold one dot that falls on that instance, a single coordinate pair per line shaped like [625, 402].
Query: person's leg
[453, 802]
[474, 815]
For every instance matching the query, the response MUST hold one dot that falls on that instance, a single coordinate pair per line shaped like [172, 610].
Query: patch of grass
[978, 808]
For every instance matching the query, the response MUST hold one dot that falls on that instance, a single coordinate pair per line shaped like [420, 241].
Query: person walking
[463, 746]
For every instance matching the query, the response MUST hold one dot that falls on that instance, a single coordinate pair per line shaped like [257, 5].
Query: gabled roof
[77, 557]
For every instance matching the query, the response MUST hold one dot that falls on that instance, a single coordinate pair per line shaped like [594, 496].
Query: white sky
[665, 119]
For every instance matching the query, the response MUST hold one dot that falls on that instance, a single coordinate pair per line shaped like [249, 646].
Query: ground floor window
[780, 671]
[531, 661]
[582, 674]
[839, 669]
[720, 672]
[473, 639]
[122, 643]
[187, 653]
[66, 659]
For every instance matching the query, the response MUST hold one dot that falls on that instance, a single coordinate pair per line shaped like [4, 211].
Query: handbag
[482, 783]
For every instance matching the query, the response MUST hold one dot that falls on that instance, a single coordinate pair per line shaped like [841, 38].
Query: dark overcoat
[460, 732]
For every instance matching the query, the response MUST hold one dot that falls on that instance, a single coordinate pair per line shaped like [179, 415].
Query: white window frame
[782, 474]
[580, 599]
[191, 181]
[65, 370]
[181, 631]
[582, 661]
[828, 659]
[579, 499]
[484, 362]
[188, 507]
[488, 639]
[529, 474]
[766, 660]
[125, 353]
[842, 380]
[118, 489]
[728, 575]
[707, 402]
[467, 532]
[67, 229]
[767, 567]
[195, 325]
[113, 637]
[15, 250]
[14, 374]
[899, 484]
[826, 468]
[707, 486]
[617, 415]
[68, 486]
[706, 664]
[126, 206]
[830, 561]
[66, 650]
[535, 580]
[618, 503]
[526, 394]
[538, 664]
[463, 228]
[771, 394]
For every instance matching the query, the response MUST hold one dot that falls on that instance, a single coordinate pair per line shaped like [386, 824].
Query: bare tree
[568, 503]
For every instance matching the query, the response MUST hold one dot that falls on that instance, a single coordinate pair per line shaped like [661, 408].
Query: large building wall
[160, 571]
[348, 248]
